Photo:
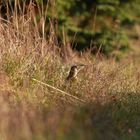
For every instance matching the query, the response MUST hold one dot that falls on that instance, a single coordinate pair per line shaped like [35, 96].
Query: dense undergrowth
[29, 110]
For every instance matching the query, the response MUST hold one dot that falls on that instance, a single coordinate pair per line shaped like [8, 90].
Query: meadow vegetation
[104, 101]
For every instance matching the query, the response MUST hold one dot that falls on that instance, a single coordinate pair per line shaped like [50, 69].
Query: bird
[73, 72]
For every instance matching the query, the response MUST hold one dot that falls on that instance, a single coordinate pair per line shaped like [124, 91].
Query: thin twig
[82, 67]
[62, 92]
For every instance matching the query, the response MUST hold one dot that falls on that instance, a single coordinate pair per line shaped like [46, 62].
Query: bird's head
[74, 67]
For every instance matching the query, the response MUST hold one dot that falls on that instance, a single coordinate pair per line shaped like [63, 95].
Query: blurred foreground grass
[29, 110]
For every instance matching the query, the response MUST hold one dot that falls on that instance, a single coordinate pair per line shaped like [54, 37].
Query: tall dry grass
[30, 110]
